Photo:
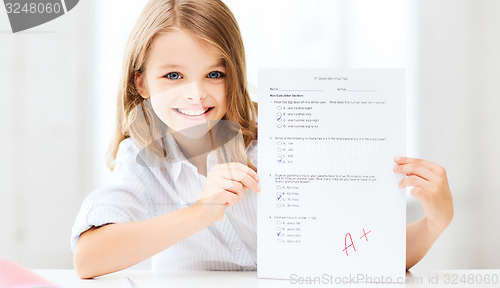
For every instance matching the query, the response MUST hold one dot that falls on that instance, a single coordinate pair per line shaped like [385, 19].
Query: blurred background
[58, 86]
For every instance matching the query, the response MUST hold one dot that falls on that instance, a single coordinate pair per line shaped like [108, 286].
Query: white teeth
[193, 112]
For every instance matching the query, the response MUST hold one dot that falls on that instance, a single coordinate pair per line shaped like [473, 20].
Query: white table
[222, 279]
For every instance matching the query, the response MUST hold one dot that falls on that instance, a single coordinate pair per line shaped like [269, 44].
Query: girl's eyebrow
[170, 66]
[218, 65]
[176, 66]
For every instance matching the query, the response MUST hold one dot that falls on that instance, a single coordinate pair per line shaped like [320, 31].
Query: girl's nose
[197, 93]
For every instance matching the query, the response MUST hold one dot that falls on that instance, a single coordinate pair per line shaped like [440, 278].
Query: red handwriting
[351, 243]
[364, 234]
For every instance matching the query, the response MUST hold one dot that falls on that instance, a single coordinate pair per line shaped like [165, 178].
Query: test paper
[330, 204]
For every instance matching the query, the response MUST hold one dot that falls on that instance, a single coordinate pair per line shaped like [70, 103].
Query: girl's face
[185, 80]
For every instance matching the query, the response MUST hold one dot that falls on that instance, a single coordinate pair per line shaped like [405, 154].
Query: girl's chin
[195, 130]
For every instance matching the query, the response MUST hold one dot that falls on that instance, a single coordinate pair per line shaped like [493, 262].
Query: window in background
[115, 21]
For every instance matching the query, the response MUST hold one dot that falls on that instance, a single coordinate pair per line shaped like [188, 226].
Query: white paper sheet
[330, 204]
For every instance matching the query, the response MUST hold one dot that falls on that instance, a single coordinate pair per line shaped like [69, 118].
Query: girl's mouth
[194, 113]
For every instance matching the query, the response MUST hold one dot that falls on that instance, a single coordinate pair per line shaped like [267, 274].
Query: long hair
[213, 23]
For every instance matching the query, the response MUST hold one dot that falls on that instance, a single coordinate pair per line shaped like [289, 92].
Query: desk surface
[221, 279]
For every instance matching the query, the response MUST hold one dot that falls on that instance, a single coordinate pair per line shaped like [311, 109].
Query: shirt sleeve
[124, 199]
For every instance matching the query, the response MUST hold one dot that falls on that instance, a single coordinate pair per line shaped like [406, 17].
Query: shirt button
[237, 246]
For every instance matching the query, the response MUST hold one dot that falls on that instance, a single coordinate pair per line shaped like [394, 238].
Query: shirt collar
[178, 160]
[175, 157]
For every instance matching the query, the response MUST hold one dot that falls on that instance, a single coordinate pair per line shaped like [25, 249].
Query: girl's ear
[140, 84]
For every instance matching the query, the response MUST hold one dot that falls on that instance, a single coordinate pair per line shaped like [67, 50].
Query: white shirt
[138, 192]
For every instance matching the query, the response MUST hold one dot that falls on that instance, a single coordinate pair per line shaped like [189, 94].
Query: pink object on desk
[14, 275]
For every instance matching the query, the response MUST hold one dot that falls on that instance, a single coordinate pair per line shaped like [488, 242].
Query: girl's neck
[195, 149]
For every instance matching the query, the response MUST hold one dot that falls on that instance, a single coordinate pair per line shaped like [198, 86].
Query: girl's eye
[174, 76]
[215, 75]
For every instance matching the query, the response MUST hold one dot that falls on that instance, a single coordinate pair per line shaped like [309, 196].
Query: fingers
[227, 182]
[430, 187]
[240, 173]
[243, 168]
[234, 187]
[422, 168]
[420, 162]
[426, 177]
[415, 169]
[417, 192]
[230, 199]
[226, 198]
[415, 181]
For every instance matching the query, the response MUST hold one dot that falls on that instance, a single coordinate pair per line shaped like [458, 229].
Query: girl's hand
[430, 187]
[225, 187]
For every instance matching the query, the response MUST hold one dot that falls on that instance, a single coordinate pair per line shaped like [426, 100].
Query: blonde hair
[212, 22]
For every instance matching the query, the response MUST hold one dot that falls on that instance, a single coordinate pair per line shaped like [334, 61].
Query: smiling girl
[185, 150]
